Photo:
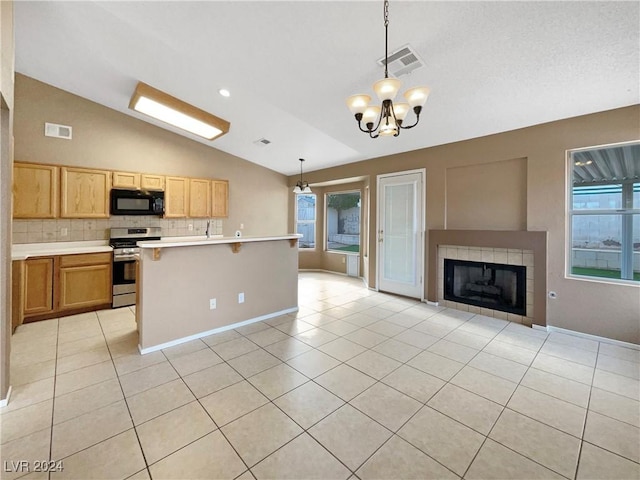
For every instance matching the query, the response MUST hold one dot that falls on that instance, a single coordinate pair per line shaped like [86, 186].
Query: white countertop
[22, 251]
[195, 241]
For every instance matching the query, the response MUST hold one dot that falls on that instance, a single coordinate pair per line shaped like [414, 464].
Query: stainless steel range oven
[125, 253]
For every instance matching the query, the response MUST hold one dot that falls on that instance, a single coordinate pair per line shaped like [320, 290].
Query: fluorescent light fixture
[173, 111]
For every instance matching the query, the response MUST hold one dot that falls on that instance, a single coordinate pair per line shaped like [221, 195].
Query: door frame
[422, 219]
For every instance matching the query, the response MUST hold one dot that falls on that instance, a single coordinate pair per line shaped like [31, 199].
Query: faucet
[208, 232]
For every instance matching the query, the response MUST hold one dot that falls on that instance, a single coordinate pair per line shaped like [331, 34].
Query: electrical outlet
[212, 304]
[344, 259]
[63, 232]
[242, 226]
[191, 227]
[241, 297]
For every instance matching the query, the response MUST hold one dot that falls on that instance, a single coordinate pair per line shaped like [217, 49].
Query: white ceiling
[290, 65]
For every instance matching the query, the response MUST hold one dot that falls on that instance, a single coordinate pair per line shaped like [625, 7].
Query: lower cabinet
[38, 286]
[83, 281]
[63, 285]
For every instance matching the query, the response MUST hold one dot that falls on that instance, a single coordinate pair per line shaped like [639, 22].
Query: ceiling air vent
[57, 131]
[403, 61]
[263, 142]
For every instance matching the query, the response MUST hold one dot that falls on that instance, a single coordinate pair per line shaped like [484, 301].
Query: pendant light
[387, 119]
[302, 186]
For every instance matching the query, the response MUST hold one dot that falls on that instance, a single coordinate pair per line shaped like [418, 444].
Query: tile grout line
[124, 398]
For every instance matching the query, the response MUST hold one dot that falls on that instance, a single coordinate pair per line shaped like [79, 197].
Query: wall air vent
[403, 61]
[57, 131]
[263, 142]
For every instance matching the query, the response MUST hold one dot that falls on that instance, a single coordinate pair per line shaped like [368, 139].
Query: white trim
[433, 304]
[4, 402]
[597, 338]
[173, 343]
[323, 271]
[423, 222]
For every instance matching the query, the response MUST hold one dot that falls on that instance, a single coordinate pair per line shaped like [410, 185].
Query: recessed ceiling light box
[171, 110]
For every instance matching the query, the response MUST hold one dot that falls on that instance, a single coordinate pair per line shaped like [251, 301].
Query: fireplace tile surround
[527, 248]
[490, 255]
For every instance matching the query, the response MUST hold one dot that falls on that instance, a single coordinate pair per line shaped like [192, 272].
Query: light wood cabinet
[151, 182]
[62, 285]
[176, 197]
[125, 180]
[35, 191]
[85, 281]
[17, 293]
[38, 286]
[84, 193]
[220, 198]
[199, 198]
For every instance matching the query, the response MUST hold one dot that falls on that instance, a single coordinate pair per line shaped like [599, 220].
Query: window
[343, 222]
[306, 220]
[605, 212]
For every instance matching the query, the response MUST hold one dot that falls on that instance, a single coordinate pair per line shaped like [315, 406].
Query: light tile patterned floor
[358, 384]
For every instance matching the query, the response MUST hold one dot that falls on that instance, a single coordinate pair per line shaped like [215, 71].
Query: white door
[400, 229]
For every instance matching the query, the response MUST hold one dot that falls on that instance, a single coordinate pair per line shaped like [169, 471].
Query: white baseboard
[597, 338]
[173, 343]
[5, 401]
[433, 304]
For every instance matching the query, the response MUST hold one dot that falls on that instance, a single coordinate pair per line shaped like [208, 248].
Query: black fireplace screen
[488, 285]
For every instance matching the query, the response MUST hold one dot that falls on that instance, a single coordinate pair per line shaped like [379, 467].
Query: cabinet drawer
[85, 259]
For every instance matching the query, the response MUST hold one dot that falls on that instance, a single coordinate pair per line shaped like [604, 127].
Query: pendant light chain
[386, 38]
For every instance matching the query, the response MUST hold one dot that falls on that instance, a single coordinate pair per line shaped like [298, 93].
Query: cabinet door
[38, 286]
[176, 197]
[85, 286]
[151, 182]
[126, 180]
[220, 198]
[17, 293]
[84, 193]
[35, 191]
[199, 198]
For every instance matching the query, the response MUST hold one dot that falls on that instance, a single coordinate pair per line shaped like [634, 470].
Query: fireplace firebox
[489, 285]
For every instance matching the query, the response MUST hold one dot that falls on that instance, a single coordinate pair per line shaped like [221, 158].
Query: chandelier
[301, 185]
[387, 119]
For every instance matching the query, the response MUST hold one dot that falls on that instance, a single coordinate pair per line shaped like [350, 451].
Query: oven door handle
[125, 258]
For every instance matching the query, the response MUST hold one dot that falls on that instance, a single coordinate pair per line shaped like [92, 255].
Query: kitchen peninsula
[192, 288]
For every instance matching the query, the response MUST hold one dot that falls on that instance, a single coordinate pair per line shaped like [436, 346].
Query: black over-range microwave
[136, 202]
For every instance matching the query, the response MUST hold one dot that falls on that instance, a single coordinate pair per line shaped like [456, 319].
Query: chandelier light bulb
[358, 103]
[417, 96]
[387, 88]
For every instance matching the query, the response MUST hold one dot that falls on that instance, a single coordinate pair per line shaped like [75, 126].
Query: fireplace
[490, 285]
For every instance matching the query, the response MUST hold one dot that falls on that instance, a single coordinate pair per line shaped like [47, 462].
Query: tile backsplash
[73, 230]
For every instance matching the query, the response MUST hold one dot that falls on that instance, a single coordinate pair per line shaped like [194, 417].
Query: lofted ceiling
[290, 65]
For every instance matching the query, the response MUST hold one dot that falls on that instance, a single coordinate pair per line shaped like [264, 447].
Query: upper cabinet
[176, 197]
[84, 193]
[151, 182]
[199, 197]
[125, 180]
[52, 191]
[35, 191]
[220, 198]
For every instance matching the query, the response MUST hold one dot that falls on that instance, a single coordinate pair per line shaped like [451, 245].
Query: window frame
[314, 221]
[626, 212]
[326, 220]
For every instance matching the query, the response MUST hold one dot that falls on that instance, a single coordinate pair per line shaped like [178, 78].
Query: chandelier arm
[411, 126]
[362, 129]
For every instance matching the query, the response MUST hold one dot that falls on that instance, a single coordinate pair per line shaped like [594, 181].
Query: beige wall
[174, 301]
[105, 138]
[489, 194]
[599, 308]
[6, 168]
